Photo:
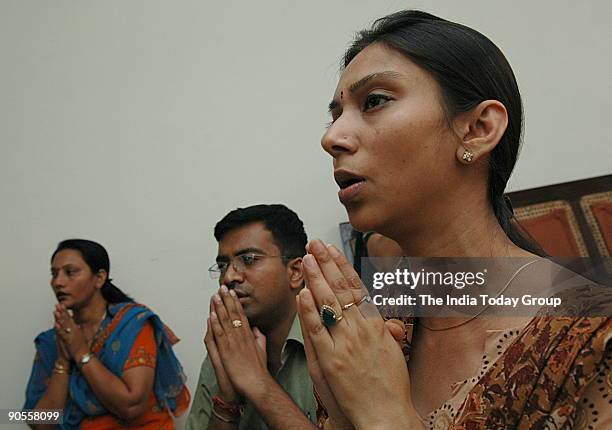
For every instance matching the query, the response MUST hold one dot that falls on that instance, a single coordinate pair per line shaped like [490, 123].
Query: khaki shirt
[292, 376]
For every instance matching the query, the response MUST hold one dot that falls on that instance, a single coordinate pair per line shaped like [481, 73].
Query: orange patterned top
[143, 353]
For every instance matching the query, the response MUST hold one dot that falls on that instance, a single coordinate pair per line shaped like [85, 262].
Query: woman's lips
[350, 193]
[350, 184]
[61, 296]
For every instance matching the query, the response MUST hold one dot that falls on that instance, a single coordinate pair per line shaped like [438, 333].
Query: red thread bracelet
[233, 409]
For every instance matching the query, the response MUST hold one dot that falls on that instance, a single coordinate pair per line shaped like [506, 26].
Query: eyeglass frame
[215, 271]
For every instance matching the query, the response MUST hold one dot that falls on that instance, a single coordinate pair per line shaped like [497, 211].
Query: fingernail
[232, 293]
[309, 261]
[223, 288]
[304, 296]
[333, 250]
[317, 246]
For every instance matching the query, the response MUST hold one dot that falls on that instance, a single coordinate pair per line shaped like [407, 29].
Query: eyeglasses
[240, 263]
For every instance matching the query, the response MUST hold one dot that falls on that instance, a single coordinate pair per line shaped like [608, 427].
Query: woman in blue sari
[108, 361]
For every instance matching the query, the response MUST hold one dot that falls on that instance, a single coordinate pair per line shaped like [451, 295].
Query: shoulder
[127, 308]
[129, 316]
[566, 344]
[45, 337]
[582, 300]
[558, 328]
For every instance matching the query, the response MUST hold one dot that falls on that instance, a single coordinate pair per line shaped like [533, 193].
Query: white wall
[140, 123]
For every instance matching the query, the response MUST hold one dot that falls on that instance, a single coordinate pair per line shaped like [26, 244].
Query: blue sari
[118, 332]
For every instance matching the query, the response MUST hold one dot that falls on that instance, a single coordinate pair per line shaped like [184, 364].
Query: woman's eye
[72, 272]
[374, 100]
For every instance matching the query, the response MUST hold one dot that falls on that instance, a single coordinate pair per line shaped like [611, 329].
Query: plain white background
[139, 124]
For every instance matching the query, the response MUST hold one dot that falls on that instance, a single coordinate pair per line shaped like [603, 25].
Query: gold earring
[467, 156]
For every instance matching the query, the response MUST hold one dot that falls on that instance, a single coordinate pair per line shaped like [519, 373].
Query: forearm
[112, 391]
[56, 394]
[276, 407]
[54, 398]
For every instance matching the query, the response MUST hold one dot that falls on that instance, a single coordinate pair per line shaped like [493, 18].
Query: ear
[100, 278]
[480, 130]
[296, 276]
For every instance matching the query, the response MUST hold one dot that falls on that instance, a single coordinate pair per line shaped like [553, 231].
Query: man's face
[256, 273]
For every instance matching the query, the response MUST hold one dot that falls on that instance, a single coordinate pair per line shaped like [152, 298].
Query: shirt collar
[295, 332]
[294, 338]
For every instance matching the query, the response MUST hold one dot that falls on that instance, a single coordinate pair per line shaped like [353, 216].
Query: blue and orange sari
[130, 335]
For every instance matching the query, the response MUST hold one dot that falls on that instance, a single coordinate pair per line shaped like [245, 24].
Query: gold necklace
[486, 307]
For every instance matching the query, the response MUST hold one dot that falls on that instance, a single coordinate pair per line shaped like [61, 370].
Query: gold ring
[363, 299]
[237, 323]
[329, 317]
[68, 330]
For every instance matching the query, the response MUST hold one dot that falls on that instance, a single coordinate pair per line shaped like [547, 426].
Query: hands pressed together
[237, 352]
[71, 342]
[357, 365]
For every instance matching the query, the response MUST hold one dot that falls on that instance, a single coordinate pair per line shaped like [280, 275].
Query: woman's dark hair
[469, 69]
[97, 259]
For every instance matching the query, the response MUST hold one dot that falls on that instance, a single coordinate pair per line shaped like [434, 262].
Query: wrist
[233, 398]
[226, 411]
[63, 362]
[83, 360]
[80, 353]
[61, 368]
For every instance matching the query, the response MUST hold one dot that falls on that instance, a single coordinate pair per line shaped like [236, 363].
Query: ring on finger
[365, 298]
[237, 323]
[329, 317]
[68, 330]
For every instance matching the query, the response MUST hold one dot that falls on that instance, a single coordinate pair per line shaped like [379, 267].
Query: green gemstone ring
[329, 317]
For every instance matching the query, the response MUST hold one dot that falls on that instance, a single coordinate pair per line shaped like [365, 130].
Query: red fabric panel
[603, 215]
[553, 232]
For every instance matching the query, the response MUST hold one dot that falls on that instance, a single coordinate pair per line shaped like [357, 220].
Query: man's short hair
[286, 228]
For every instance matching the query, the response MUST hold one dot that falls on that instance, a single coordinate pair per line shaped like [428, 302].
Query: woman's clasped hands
[354, 358]
[71, 340]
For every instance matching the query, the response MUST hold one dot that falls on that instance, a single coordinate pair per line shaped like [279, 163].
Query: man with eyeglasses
[255, 374]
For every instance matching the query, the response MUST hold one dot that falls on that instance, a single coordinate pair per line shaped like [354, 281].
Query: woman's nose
[58, 281]
[339, 139]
